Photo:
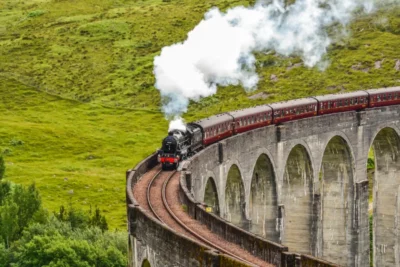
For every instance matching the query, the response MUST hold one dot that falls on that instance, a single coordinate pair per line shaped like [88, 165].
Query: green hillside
[78, 103]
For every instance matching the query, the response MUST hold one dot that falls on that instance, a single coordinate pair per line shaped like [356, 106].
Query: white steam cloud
[219, 50]
[177, 124]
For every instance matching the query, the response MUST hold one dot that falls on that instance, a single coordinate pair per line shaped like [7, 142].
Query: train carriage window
[356, 101]
[352, 101]
[379, 98]
[346, 102]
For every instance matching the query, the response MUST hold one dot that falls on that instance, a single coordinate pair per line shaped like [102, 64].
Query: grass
[78, 103]
[76, 153]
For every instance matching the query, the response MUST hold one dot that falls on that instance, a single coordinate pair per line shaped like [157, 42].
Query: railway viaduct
[303, 184]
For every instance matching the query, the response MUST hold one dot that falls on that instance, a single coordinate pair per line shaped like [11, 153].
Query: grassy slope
[100, 53]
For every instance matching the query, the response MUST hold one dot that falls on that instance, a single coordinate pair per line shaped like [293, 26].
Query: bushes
[30, 237]
[2, 167]
[56, 243]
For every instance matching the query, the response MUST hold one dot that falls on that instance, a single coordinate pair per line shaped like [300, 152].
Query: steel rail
[148, 195]
[165, 202]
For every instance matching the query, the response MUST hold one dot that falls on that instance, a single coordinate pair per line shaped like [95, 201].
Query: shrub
[2, 167]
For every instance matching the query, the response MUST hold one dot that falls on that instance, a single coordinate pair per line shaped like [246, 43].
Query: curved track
[158, 192]
[164, 196]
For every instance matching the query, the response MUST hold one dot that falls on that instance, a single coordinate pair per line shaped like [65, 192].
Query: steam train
[179, 145]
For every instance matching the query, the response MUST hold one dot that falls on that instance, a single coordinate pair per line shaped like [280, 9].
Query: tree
[28, 201]
[99, 220]
[5, 186]
[18, 209]
[9, 222]
[2, 167]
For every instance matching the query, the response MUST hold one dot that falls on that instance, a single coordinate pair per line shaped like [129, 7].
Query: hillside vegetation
[78, 103]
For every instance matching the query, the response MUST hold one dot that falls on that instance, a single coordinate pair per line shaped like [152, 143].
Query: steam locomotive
[179, 145]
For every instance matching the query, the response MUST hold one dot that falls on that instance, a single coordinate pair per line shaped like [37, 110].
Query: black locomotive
[179, 145]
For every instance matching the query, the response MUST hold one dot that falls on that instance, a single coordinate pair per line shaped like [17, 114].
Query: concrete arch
[337, 175]
[305, 146]
[211, 197]
[380, 128]
[265, 151]
[263, 204]
[386, 197]
[204, 180]
[146, 263]
[300, 217]
[342, 135]
[234, 209]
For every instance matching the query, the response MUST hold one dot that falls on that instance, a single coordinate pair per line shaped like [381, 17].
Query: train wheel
[163, 167]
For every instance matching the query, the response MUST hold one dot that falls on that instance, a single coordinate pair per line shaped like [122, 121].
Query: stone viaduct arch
[263, 206]
[336, 174]
[234, 196]
[305, 183]
[386, 196]
[297, 194]
[211, 196]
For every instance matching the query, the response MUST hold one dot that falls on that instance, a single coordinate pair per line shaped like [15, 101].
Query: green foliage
[29, 237]
[58, 244]
[36, 13]
[370, 164]
[5, 188]
[2, 167]
[80, 219]
[17, 210]
[98, 220]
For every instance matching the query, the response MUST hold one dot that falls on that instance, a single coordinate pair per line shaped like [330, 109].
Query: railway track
[159, 194]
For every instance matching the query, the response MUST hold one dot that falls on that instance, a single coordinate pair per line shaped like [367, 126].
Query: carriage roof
[294, 103]
[250, 111]
[214, 120]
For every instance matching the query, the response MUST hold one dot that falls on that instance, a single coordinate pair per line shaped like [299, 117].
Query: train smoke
[219, 50]
[177, 124]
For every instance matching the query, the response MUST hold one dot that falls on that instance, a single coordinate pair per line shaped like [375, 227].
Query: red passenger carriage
[384, 97]
[251, 118]
[216, 128]
[342, 102]
[294, 110]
